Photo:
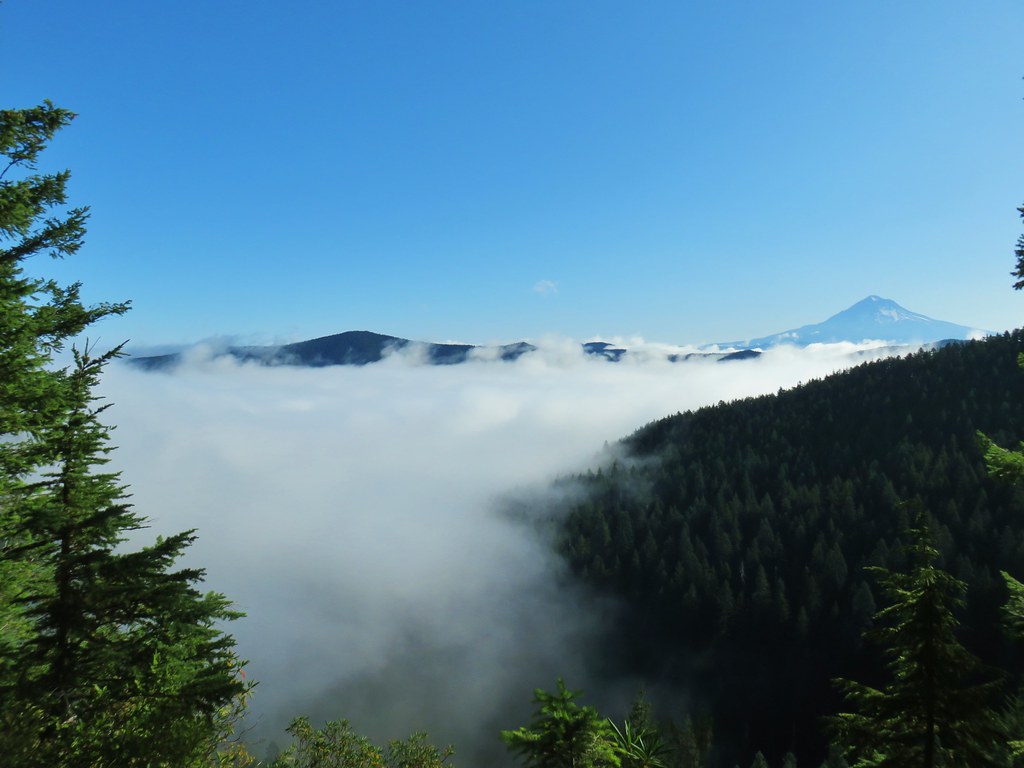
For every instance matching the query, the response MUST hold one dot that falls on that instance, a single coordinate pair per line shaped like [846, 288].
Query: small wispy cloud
[546, 287]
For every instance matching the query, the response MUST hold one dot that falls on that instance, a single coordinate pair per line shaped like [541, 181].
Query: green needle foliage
[563, 734]
[1008, 465]
[108, 657]
[1002, 463]
[337, 745]
[1013, 613]
[933, 711]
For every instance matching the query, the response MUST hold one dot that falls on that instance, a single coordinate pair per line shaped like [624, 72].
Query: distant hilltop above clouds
[872, 319]
[348, 348]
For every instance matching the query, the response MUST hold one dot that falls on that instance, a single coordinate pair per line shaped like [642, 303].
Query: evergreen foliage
[563, 734]
[107, 657]
[1019, 253]
[1002, 463]
[937, 707]
[1009, 465]
[1013, 717]
[739, 535]
[688, 743]
[337, 745]
[641, 714]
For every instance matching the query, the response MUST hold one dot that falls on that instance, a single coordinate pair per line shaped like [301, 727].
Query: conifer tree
[1019, 253]
[1013, 614]
[641, 715]
[1003, 463]
[563, 734]
[933, 712]
[107, 657]
[1009, 465]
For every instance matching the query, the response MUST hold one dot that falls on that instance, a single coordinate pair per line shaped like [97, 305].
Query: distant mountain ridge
[348, 348]
[366, 347]
[872, 318]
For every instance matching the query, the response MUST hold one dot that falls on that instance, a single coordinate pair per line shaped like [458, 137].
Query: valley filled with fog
[355, 515]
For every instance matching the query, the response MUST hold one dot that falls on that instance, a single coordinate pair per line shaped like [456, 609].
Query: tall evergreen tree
[1013, 614]
[934, 711]
[1002, 463]
[107, 657]
[1019, 253]
[689, 744]
[38, 316]
[1009, 465]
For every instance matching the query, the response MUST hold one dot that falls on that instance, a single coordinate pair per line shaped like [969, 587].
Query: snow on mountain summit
[870, 319]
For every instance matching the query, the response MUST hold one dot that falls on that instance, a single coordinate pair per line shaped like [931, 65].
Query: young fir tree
[563, 734]
[934, 711]
[107, 657]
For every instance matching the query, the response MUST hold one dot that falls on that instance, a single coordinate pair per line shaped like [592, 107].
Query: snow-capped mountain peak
[872, 318]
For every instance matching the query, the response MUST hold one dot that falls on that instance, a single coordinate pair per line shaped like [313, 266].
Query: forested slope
[738, 535]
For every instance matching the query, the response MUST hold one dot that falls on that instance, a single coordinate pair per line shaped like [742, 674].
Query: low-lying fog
[354, 514]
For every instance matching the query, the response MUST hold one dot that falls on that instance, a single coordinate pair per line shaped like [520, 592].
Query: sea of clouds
[357, 515]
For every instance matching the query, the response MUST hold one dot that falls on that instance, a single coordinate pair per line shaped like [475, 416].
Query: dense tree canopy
[739, 535]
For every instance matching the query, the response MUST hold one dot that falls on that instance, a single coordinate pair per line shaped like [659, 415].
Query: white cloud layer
[353, 513]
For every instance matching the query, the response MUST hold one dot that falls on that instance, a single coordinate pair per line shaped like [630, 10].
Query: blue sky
[490, 171]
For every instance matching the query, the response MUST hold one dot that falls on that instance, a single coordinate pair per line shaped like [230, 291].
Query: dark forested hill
[349, 348]
[738, 535]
